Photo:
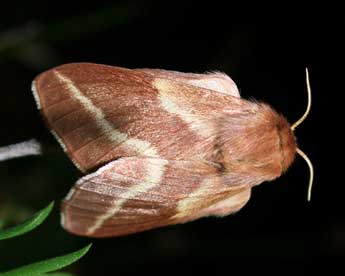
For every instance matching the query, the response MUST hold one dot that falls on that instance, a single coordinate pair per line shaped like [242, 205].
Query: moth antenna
[296, 124]
[300, 120]
[311, 169]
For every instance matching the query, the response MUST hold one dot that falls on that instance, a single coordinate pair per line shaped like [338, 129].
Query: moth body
[160, 147]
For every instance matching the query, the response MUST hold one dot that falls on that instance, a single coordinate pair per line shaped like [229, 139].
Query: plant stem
[30, 147]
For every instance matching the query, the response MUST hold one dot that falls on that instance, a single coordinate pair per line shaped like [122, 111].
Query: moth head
[263, 144]
[287, 140]
[287, 143]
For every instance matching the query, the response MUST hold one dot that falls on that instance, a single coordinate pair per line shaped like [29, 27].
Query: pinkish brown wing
[99, 113]
[134, 194]
[216, 81]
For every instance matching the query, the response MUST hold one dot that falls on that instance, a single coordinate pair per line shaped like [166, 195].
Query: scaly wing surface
[134, 194]
[100, 113]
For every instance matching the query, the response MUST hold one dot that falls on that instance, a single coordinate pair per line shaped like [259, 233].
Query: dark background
[278, 232]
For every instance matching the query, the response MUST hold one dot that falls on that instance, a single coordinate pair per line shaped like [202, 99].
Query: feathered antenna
[296, 124]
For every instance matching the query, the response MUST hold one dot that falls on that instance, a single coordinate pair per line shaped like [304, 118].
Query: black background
[278, 232]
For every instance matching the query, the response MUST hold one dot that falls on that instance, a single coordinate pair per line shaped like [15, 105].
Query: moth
[159, 147]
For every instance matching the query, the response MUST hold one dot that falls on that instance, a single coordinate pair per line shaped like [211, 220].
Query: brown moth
[161, 147]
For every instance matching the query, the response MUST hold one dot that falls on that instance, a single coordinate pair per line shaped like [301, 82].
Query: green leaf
[28, 225]
[2, 222]
[48, 265]
[58, 274]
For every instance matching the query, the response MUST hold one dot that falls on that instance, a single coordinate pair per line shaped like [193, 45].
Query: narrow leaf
[48, 265]
[2, 222]
[58, 274]
[28, 225]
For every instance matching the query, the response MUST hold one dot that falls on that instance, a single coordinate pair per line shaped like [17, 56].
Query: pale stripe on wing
[141, 147]
[195, 122]
[155, 171]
